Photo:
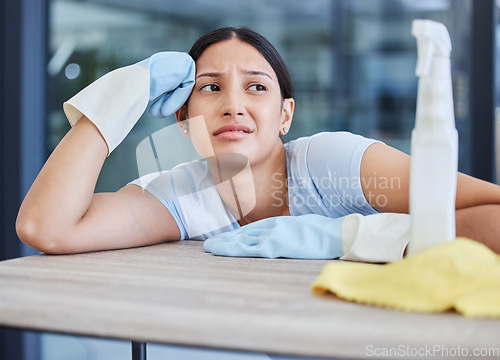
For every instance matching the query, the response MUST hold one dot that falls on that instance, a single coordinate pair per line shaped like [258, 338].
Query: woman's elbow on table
[38, 235]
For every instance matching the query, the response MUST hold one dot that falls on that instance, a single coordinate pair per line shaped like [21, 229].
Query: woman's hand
[372, 238]
[116, 101]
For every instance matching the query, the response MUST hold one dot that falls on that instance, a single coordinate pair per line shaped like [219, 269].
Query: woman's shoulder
[185, 177]
[327, 153]
[324, 173]
[324, 143]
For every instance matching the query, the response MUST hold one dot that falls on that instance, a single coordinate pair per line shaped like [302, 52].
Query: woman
[241, 102]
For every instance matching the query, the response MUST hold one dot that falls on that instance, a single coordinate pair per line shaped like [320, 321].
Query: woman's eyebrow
[209, 74]
[246, 72]
[256, 72]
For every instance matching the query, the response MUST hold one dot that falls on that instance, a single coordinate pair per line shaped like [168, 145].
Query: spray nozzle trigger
[425, 51]
[433, 39]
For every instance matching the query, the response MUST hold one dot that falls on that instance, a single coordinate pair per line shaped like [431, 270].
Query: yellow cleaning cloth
[462, 274]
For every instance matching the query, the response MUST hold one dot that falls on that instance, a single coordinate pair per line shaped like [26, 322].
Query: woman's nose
[233, 104]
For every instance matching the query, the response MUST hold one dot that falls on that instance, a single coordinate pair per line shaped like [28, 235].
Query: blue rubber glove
[115, 101]
[172, 77]
[372, 238]
[298, 237]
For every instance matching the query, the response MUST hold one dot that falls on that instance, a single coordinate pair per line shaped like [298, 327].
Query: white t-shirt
[323, 178]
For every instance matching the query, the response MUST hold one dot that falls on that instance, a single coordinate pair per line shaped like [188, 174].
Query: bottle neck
[440, 68]
[435, 97]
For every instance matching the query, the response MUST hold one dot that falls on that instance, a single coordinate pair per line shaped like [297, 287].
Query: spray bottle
[434, 141]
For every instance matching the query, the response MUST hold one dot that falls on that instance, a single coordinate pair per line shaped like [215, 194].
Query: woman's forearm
[480, 223]
[62, 192]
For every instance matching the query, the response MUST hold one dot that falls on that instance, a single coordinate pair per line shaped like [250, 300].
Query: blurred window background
[352, 62]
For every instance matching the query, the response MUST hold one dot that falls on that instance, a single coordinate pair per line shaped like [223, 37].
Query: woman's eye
[210, 87]
[257, 87]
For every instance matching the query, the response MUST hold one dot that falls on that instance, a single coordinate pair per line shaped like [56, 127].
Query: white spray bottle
[434, 141]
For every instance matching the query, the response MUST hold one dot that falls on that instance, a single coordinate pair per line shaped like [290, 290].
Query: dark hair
[259, 42]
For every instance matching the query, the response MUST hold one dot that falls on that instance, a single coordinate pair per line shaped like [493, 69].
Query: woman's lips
[232, 132]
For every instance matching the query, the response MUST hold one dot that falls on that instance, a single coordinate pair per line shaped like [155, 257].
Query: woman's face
[239, 97]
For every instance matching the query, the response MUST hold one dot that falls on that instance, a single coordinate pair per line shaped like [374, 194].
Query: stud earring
[285, 130]
[185, 131]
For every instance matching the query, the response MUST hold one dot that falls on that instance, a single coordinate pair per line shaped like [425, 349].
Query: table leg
[138, 350]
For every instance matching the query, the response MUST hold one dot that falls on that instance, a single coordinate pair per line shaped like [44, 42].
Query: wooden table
[175, 293]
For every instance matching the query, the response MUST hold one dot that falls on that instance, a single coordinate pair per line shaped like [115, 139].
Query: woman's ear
[181, 116]
[287, 115]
